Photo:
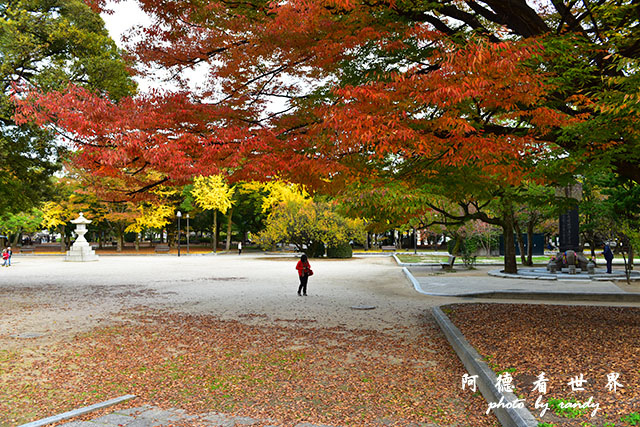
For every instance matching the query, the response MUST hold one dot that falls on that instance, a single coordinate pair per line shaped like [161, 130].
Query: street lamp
[179, 215]
[187, 233]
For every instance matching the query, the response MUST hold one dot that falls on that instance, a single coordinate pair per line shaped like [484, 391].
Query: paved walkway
[429, 281]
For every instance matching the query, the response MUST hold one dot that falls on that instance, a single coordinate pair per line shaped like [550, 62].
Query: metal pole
[179, 215]
[187, 233]
[415, 241]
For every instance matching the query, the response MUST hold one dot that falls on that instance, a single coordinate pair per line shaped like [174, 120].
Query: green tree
[248, 214]
[47, 44]
[536, 204]
[14, 225]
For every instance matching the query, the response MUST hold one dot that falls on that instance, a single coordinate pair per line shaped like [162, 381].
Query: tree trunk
[530, 243]
[228, 245]
[119, 239]
[510, 264]
[456, 246]
[518, 237]
[631, 256]
[63, 240]
[137, 242]
[16, 238]
[214, 235]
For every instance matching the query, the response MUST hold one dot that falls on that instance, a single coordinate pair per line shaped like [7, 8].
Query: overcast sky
[126, 15]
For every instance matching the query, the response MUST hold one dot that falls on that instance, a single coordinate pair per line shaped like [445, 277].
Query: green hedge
[341, 251]
[316, 250]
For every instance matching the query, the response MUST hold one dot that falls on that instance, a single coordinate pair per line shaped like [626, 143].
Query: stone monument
[569, 221]
[81, 250]
[570, 255]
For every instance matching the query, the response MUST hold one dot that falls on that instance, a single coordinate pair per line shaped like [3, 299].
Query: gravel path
[57, 299]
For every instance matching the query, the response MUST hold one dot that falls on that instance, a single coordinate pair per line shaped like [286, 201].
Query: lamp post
[187, 233]
[179, 215]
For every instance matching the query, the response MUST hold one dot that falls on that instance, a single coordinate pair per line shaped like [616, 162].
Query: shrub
[341, 251]
[316, 250]
[467, 249]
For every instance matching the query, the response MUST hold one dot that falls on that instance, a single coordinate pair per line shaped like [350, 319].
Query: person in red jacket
[6, 257]
[304, 271]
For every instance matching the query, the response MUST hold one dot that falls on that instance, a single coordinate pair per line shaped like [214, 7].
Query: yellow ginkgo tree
[213, 193]
[56, 215]
[282, 192]
[150, 216]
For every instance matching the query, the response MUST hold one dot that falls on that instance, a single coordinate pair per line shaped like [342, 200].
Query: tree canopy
[470, 100]
[47, 44]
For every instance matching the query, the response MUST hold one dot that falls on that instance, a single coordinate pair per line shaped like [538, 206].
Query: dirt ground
[71, 333]
[562, 342]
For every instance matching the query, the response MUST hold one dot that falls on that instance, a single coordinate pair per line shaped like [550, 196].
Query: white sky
[126, 14]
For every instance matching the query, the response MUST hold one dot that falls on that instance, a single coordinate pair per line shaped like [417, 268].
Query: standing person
[5, 257]
[608, 255]
[239, 248]
[10, 252]
[304, 271]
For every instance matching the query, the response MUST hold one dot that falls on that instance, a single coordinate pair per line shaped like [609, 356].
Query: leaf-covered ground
[279, 369]
[563, 342]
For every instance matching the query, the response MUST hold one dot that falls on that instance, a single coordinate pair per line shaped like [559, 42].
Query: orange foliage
[477, 104]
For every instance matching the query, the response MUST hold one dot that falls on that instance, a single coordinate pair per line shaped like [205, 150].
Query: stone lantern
[81, 250]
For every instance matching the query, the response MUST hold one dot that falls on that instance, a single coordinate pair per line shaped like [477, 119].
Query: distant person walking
[608, 256]
[5, 257]
[239, 248]
[10, 252]
[304, 271]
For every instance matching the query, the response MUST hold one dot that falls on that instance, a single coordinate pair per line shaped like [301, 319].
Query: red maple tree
[367, 97]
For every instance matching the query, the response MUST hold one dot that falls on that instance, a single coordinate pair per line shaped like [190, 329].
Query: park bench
[449, 264]
[27, 249]
[48, 248]
[388, 248]
[162, 249]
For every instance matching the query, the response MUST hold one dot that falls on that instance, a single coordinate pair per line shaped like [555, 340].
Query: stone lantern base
[80, 253]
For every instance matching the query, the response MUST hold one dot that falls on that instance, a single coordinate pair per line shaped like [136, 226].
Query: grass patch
[425, 259]
[633, 419]
[565, 408]
[435, 259]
